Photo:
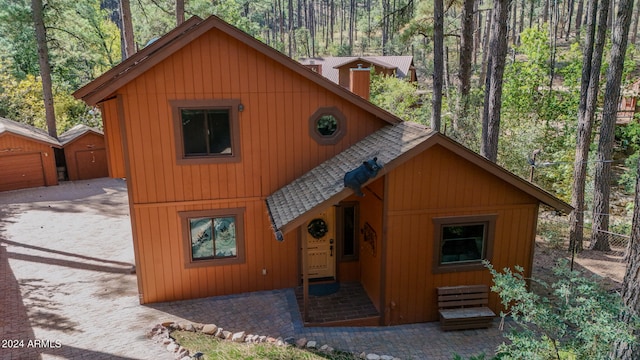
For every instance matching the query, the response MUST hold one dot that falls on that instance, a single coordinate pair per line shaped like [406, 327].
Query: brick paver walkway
[65, 282]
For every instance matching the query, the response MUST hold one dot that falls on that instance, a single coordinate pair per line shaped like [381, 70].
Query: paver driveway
[65, 280]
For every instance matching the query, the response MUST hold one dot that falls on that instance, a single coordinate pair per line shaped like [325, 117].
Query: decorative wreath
[317, 228]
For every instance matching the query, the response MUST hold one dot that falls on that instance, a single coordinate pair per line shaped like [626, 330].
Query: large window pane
[349, 235]
[194, 131]
[201, 238]
[461, 243]
[219, 132]
[225, 237]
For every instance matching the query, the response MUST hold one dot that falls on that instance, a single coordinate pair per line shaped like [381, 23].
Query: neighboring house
[235, 155]
[84, 152]
[27, 156]
[337, 69]
[628, 105]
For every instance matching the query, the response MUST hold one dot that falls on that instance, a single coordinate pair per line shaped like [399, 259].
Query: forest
[533, 85]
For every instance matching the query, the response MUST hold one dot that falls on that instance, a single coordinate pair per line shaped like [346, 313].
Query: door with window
[320, 235]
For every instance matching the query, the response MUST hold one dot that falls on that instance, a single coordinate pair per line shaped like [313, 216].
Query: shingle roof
[392, 145]
[326, 180]
[76, 132]
[107, 84]
[330, 65]
[14, 127]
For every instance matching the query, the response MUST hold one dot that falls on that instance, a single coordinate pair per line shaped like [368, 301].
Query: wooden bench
[464, 307]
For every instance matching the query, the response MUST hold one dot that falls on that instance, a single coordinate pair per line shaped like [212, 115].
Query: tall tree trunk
[290, 26]
[485, 47]
[531, 13]
[466, 54]
[438, 63]
[631, 285]
[514, 20]
[569, 16]
[579, 17]
[45, 68]
[591, 64]
[127, 28]
[545, 11]
[555, 20]
[521, 23]
[493, 89]
[634, 28]
[179, 12]
[619, 36]
[477, 34]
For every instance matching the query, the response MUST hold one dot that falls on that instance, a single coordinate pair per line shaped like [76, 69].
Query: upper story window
[462, 243]
[327, 126]
[206, 131]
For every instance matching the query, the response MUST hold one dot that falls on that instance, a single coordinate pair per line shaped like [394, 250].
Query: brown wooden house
[337, 69]
[27, 156]
[235, 157]
[84, 152]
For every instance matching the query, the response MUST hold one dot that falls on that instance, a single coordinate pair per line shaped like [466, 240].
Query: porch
[338, 304]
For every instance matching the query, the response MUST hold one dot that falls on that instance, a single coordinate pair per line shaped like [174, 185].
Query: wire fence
[554, 230]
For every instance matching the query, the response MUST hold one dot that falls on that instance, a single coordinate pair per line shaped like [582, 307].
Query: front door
[320, 235]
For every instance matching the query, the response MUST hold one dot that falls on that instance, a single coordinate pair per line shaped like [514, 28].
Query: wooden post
[305, 277]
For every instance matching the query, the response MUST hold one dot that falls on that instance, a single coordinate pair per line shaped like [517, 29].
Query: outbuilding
[27, 156]
[84, 152]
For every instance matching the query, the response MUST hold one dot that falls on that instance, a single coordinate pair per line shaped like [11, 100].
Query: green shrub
[579, 320]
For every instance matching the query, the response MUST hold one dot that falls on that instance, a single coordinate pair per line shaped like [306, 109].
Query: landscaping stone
[238, 337]
[301, 342]
[173, 347]
[226, 334]
[311, 345]
[373, 357]
[219, 333]
[209, 329]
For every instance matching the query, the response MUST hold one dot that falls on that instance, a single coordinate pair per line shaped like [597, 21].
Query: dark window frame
[237, 213]
[234, 128]
[340, 231]
[488, 220]
[341, 128]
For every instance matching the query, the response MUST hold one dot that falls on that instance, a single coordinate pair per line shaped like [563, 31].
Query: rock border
[161, 333]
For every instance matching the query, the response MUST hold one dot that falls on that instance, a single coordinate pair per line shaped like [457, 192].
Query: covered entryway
[21, 171]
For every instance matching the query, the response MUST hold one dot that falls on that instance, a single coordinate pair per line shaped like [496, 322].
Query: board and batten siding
[85, 157]
[446, 185]
[275, 149]
[13, 145]
[113, 138]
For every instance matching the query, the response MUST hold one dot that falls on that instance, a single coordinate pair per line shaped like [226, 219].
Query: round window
[327, 125]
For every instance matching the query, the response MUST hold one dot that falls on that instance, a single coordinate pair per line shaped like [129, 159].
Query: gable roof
[331, 65]
[293, 204]
[109, 82]
[77, 132]
[28, 131]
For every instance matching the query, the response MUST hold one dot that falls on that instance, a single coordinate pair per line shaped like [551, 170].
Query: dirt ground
[607, 267]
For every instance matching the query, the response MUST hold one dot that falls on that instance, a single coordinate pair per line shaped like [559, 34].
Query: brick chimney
[360, 81]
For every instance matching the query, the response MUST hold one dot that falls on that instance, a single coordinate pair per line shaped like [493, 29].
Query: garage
[27, 156]
[85, 153]
[21, 171]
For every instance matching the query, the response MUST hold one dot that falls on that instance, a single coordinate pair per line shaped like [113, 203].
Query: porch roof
[325, 183]
[293, 204]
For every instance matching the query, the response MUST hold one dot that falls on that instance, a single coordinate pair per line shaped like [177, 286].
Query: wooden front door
[320, 235]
